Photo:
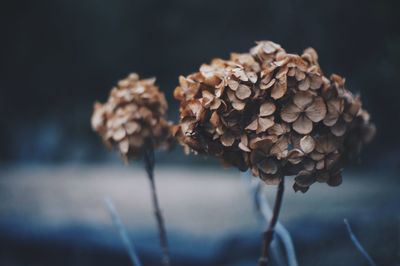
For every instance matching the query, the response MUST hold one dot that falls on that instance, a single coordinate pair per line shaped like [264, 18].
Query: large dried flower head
[133, 118]
[274, 113]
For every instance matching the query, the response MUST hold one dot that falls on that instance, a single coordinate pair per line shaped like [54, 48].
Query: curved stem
[358, 245]
[119, 226]
[280, 230]
[149, 165]
[269, 233]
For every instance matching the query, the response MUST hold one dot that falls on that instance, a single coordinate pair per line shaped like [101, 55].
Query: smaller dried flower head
[273, 113]
[133, 117]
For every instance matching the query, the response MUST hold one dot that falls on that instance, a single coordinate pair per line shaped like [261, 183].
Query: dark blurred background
[59, 56]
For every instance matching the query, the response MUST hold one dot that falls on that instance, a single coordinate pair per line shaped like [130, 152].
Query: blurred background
[57, 57]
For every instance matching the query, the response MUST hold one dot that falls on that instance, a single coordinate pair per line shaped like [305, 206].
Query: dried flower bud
[133, 117]
[273, 113]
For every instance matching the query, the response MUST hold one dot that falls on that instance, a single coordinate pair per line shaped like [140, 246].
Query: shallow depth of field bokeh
[58, 57]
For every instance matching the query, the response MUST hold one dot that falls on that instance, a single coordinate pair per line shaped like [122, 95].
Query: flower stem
[123, 233]
[269, 232]
[358, 245]
[149, 165]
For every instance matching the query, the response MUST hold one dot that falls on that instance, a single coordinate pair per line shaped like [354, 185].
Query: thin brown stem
[268, 234]
[149, 165]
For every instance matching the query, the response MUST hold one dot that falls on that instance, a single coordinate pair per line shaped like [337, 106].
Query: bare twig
[264, 213]
[269, 233]
[122, 232]
[149, 166]
[357, 244]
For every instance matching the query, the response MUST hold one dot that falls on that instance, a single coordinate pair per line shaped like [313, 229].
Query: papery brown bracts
[274, 113]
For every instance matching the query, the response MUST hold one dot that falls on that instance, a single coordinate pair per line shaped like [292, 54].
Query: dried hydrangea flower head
[133, 117]
[274, 113]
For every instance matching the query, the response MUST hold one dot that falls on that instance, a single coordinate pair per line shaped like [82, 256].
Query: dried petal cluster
[274, 113]
[133, 117]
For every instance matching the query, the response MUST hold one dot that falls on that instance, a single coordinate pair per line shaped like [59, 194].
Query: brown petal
[240, 74]
[282, 62]
[243, 92]
[335, 179]
[146, 112]
[291, 72]
[243, 147]
[326, 144]
[256, 157]
[123, 83]
[278, 129]
[265, 85]
[264, 123]
[231, 96]
[119, 134]
[304, 179]
[268, 166]
[233, 84]
[308, 164]
[262, 144]
[307, 144]
[295, 139]
[187, 125]
[270, 179]
[268, 48]
[253, 125]
[339, 129]
[227, 139]
[304, 84]
[352, 110]
[300, 75]
[322, 177]
[280, 148]
[295, 156]
[214, 119]
[302, 99]
[267, 108]
[290, 113]
[320, 165]
[207, 99]
[124, 146]
[296, 188]
[330, 119]
[317, 110]
[332, 160]
[316, 156]
[244, 139]
[303, 125]
[255, 171]
[218, 92]
[196, 108]
[133, 77]
[281, 74]
[238, 105]
[316, 82]
[279, 89]
[132, 127]
[216, 103]
[335, 105]
[312, 55]
[252, 77]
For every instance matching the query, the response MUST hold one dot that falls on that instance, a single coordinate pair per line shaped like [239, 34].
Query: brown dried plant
[133, 119]
[274, 113]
